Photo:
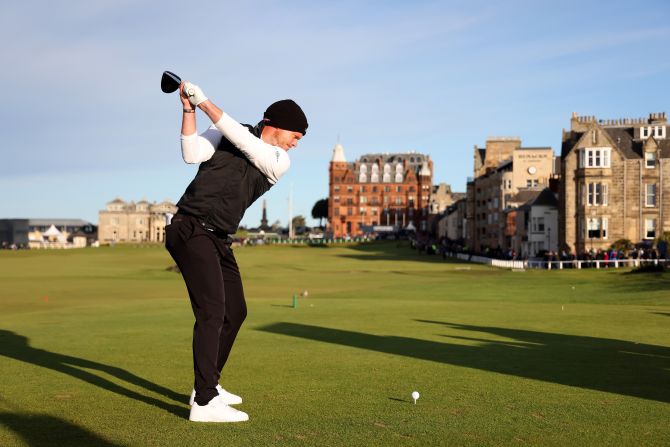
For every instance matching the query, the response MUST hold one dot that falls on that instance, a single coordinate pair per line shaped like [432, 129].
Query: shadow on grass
[642, 282]
[43, 430]
[614, 366]
[391, 251]
[17, 347]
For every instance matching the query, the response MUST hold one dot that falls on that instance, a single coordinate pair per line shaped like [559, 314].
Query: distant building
[532, 223]
[122, 221]
[442, 197]
[379, 189]
[616, 181]
[501, 169]
[47, 233]
[452, 223]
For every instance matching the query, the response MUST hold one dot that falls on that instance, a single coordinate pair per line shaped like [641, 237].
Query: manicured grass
[95, 350]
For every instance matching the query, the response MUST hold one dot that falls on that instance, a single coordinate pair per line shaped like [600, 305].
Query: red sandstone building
[387, 191]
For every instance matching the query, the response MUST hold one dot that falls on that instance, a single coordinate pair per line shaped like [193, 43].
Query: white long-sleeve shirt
[271, 160]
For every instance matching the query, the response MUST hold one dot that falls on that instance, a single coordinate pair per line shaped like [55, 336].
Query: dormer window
[595, 157]
[644, 132]
[650, 160]
[659, 132]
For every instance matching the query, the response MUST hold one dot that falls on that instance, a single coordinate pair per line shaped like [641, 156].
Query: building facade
[502, 169]
[378, 190]
[122, 221]
[615, 181]
[36, 233]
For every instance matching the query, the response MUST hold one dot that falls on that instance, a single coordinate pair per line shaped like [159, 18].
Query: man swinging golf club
[238, 164]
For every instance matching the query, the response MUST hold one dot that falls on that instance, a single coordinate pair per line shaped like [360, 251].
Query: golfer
[238, 164]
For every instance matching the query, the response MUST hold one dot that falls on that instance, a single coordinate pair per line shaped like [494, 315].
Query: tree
[298, 221]
[320, 210]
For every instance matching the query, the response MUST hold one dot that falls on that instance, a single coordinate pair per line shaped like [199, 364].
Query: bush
[622, 244]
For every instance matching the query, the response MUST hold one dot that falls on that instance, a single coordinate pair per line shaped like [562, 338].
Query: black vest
[224, 187]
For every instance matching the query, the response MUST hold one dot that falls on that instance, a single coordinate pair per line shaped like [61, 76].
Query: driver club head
[170, 82]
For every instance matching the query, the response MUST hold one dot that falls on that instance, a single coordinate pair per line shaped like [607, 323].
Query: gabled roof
[545, 198]
[525, 196]
[569, 140]
[623, 138]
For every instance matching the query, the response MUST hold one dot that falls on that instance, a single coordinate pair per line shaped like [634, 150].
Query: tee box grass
[95, 349]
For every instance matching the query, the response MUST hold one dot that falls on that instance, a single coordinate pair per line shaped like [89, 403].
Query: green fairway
[95, 349]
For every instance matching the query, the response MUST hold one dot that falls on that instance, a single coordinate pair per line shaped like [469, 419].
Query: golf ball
[415, 395]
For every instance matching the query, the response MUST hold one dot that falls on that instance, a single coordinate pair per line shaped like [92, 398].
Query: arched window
[398, 177]
[387, 177]
[374, 178]
[398, 167]
[362, 178]
[387, 168]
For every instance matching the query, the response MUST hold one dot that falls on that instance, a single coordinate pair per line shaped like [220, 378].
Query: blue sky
[84, 120]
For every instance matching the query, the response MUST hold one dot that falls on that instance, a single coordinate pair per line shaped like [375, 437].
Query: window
[362, 210]
[530, 183]
[362, 178]
[374, 189]
[649, 228]
[364, 199]
[597, 194]
[596, 228]
[350, 188]
[337, 187]
[374, 178]
[398, 177]
[349, 212]
[659, 132]
[387, 189]
[540, 224]
[387, 177]
[336, 198]
[350, 201]
[361, 188]
[337, 211]
[650, 194]
[398, 200]
[595, 157]
[650, 160]
[375, 211]
[386, 199]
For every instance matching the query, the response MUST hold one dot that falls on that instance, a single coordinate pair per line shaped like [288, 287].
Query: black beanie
[287, 115]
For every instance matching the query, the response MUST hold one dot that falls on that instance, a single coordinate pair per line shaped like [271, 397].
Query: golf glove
[194, 94]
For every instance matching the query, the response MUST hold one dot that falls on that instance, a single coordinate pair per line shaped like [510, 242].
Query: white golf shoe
[228, 398]
[216, 410]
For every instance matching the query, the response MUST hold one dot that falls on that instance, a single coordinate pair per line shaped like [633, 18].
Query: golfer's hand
[186, 104]
[194, 93]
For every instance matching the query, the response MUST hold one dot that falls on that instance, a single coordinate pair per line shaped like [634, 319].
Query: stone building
[380, 189]
[501, 169]
[124, 221]
[616, 181]
[452, 223]
[532, 222]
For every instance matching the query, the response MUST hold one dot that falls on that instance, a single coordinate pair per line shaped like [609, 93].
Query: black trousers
[215, 288]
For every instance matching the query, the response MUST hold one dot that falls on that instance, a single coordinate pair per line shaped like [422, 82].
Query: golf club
[170, 82]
